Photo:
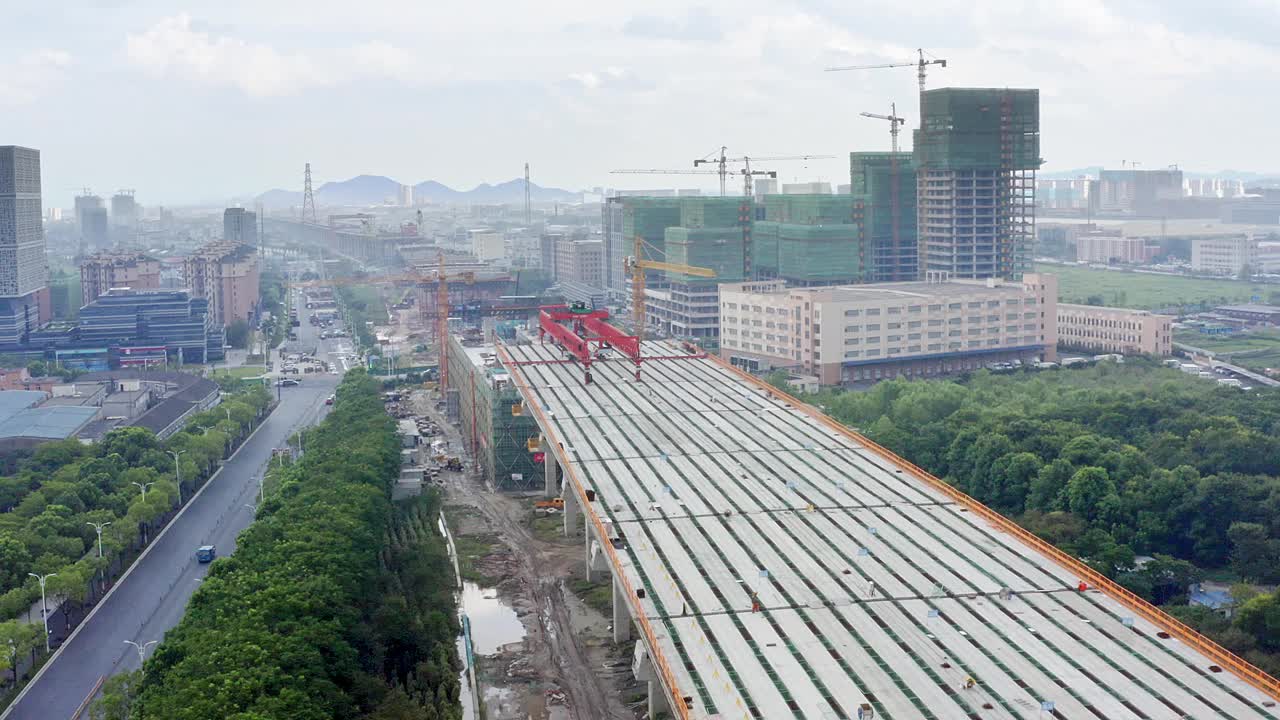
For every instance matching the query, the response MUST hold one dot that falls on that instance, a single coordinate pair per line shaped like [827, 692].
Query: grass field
[240, 373]
[1143, 291]
[1256, 351]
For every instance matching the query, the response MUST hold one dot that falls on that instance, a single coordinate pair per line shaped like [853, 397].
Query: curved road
[152, 596]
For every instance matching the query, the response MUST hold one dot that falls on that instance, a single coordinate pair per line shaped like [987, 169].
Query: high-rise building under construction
[976, 155]
[885, 183]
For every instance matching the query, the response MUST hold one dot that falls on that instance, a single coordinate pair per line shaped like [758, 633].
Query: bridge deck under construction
[792, 569]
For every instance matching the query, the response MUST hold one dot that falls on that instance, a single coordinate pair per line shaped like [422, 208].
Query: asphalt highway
[151, 598]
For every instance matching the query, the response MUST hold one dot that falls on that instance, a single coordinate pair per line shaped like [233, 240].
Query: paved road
[152, 598]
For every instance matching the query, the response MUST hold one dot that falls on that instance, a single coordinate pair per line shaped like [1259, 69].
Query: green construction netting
[820, 253]
[718, 248]
[764, 247]
[965, 129]
[809, 209]
[715, 212]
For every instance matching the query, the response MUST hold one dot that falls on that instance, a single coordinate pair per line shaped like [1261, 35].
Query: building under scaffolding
[976, 155]
[491, 414]
[811, 239]
[885, 182]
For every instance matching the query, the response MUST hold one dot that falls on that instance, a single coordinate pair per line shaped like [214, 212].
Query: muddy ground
[567, 666]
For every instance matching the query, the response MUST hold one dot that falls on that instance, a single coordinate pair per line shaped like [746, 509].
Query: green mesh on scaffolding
[717, 248]
[871, 178]
[765, 248]
[716, 212]
[967, 128]
[809, 209]
[820, 253]
[648, 217]
[497, 437]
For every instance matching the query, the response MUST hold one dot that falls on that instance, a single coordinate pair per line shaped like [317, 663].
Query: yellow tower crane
[636, 265]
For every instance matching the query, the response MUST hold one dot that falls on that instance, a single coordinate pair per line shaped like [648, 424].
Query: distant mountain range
[376, 189]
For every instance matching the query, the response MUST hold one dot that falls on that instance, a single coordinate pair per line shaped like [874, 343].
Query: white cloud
[174, 47]
[26, 79]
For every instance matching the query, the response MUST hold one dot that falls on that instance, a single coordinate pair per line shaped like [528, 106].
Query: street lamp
[252, 508]
[177, 471]
[143, 487]
[44, 606]
[142, 649]
[98, 527]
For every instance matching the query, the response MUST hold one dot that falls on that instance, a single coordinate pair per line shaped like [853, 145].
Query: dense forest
[1110, 463]
[338, 603]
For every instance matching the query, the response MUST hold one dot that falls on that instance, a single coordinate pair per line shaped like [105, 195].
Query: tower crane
[895, 208]
[920, 65]
[636, 265]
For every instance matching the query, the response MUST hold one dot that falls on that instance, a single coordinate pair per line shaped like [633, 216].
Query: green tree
[1261, 618]
[1254, 555]
[1086, 489]
[238, 334]
[119, 693]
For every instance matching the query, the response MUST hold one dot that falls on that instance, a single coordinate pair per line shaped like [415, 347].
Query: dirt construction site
[561, 662]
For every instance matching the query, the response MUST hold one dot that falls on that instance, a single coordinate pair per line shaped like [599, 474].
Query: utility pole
[177, 472]
[44, 605]
[142, 649]
[98, 527]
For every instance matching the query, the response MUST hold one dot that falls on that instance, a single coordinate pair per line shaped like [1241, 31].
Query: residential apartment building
[488, 246]
[225, 274]
[579, 261]
[855, 333]
[1100, 248]
[976, 155]
[1114, 330]
[104, 271]
[1224, 255]
[24, 270]
[239, 226]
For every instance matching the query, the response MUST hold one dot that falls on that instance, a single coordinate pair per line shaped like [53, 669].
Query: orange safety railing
[552, 442]
[1223, 657]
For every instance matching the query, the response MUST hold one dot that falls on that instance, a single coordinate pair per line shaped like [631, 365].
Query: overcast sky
[202, 101]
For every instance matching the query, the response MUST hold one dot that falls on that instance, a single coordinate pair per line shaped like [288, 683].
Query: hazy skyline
[198, 103]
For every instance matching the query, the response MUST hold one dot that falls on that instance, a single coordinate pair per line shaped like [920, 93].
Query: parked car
[287, 382]
[328, 400]
[206, 553]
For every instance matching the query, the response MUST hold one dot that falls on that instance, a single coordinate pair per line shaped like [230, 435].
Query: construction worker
[969, 682]
[755, 603]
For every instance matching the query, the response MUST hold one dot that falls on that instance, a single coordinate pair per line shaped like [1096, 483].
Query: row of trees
[1109, 463]
[126, 483]
[337, 602]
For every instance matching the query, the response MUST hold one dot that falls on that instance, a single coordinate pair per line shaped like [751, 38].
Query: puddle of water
[493, 622]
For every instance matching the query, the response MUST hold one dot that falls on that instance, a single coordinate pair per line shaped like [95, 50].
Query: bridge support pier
[621, 614]
[597, 560]
[657, 699]
[570, 510]
[550, 474]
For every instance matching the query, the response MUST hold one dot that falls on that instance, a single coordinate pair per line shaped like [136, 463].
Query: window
[914, 324]
[954, 333]
[915, 308]
[853, 353]
[913, 336]
[894, 338]
[851, 341]
[975, 331]
[853, 328]
[993, 303]
[873, 341]
[895, 310]
[873, 326]
[893, 326]
[935, 347]
[974, 305]
[954, 306]
[852, 313]
[873, 353]
[1011, 328]
[935, 334]
[953, 321]
[935, 323]
[993, 318]
[873, 311]
[935, 308]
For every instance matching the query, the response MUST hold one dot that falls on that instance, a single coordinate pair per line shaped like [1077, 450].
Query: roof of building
[1250, 308]
[12, 401]
[876, 292]
[164, 413]
[46, 423]
[1213, 599]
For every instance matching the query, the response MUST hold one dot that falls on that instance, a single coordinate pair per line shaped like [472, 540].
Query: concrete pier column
[591, 576]
[550, 475]
[570, 511]
[657, 699]
[621, 613]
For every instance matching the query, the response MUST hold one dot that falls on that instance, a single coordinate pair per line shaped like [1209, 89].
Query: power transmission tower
[528, 208]
[308, 198]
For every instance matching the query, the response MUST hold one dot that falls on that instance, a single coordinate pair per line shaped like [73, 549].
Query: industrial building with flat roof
[1114, 330]
[853, 333]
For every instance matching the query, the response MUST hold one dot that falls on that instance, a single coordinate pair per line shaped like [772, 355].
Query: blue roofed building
[1213, 596]
[23, 424]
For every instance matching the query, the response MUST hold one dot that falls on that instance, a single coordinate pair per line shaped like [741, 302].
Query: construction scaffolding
[886, 184]
[976, 154]
[491, 414]
[649, 218]
[717, 248]
[809, 209]
[820, 254]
